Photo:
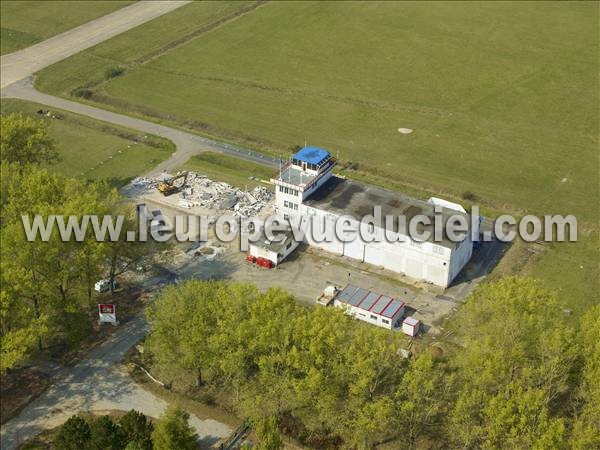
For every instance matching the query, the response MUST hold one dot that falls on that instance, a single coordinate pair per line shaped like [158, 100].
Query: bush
[106, 435]
[173, 432]
[74, 434]
[76, 327]
[135, 445]
[268, 434]
[352, 165]
[83, 93]
[468, 195]
[113, 72]
[137, 429]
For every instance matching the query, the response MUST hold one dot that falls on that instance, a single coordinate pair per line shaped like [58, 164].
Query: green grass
[572, 270]
[94, 150]
[24, 23]
[134, 46]
[235, 171]
[502, 96]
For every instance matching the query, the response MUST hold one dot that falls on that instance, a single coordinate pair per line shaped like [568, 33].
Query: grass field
[571, 269]
[513, 104]
[95, 150]
[237, 172]
[24, 23]
[134, 47]
[502, 96]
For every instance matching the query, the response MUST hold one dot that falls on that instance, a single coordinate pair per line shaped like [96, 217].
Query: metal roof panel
[392, 309]
[383, 301]
[369, 301]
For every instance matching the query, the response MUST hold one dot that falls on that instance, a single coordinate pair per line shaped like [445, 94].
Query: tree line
[132, 431]
[522, 376]
[46, 287]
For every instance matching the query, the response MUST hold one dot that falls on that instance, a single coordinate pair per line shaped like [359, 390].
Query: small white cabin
[274, 251]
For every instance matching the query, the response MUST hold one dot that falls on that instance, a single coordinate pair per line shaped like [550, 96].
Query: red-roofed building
[370, 306]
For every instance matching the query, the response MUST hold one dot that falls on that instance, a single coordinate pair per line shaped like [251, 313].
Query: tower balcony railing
[322, 170]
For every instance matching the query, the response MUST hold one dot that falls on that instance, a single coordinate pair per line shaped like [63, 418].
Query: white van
[104, 285]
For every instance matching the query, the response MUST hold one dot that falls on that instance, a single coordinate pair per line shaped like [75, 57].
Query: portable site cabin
[369, 306]
[411, 326]
[274, 251]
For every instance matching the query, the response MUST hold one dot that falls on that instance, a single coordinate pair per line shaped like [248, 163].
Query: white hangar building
[306, 186]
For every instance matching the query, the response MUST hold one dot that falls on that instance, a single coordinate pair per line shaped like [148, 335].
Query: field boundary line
[197, 33]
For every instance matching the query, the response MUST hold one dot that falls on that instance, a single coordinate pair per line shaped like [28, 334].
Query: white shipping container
[410, 326]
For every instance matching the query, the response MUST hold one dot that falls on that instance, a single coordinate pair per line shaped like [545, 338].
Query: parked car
[104, 285]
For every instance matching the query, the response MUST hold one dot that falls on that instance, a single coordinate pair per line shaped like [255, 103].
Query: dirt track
[98, 383]
[20, 64]
[187, 144]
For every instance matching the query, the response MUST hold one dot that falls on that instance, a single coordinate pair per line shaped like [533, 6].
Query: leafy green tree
[121, 254]
[264, 349]
[518, 417]
[183, 320]
[25, 140]
[137, 428]
[369, 381]
[421, 397]
[106, 434]
[315, 369]
[586, 427]
[268, 434]
[278, 358]
[46, 286]
[516, 364]
[135, 445]
[172, 431]
[30, 271]
[16, 341]
[509, 385]
[74, 434]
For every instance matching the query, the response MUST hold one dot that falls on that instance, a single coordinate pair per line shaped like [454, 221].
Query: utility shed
[274, 251]
[369, 306]
[410, 326]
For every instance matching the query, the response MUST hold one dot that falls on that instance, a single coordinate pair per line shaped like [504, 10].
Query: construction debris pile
[201, 191]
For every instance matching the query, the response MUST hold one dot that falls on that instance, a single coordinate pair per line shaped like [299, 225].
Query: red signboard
[107, 312]
[106, 308]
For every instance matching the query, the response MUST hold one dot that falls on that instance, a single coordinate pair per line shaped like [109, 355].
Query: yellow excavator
[168, 187]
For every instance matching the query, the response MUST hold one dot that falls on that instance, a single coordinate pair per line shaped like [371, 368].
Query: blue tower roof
[312, 155]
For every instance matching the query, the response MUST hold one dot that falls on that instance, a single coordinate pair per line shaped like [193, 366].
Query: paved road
[20, 64]
[187, 144]
[98, 383]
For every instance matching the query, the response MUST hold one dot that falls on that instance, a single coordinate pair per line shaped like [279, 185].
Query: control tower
[308, 170]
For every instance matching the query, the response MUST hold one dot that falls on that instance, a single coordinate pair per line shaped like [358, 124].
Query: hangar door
[414, 268]
[374, 254]
[355, 249]
[437, 274]
[394, 261]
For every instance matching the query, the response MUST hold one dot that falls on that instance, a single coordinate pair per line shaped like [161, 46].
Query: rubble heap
[201, 191]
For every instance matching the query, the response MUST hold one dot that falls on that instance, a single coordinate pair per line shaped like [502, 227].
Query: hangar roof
[341, 196]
